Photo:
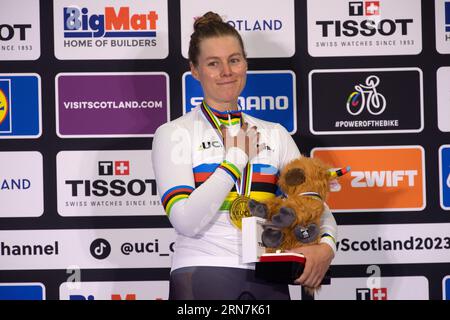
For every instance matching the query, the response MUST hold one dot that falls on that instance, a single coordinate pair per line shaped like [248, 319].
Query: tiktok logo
[100, 249]
[366, 96]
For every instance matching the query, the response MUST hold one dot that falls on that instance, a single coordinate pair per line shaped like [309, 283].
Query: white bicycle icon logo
[366, 96]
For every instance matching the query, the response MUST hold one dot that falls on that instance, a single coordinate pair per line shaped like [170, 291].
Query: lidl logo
[22, 291]
[268, 95]
[5, 118]
[20, 106]
[381, 178]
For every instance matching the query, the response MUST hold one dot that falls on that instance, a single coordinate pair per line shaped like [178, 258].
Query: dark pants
[220, 283]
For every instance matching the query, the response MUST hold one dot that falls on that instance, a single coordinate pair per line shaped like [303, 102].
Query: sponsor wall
[84, 84]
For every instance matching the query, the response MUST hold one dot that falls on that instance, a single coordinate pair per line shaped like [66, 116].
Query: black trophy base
[280, 267]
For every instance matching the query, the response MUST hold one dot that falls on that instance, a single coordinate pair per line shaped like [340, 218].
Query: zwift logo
[79, 23]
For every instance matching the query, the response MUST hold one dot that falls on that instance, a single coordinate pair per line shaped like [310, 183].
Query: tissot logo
[106, 183]
[366, 101]
[118, 168]
[19, 30]
[364, 27]
[381, 288]
[364, 8]
[8, 32]
[371, 294]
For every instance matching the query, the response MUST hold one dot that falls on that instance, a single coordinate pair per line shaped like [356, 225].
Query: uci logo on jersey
[114, 23]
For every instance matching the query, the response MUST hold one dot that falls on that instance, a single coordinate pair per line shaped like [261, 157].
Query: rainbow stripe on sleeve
[231, 169]
[327, 235]
[174, 195]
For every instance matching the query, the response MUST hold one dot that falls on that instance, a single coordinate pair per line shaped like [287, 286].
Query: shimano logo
[255, 102]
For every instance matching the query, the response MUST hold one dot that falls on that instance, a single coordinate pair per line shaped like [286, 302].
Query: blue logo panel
[447, 16]
[446, 288]
[445, 176]
[22, 292]
[20, 106]
[267, 95]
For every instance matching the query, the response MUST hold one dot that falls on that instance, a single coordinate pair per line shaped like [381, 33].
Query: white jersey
[197, 183]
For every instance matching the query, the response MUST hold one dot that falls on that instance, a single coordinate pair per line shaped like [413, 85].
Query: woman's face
[221, 70]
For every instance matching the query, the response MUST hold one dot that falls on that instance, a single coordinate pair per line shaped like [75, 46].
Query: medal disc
[239, 209]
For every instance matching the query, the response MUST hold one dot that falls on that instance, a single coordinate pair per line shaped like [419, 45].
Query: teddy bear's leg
[284, 218]
[258, 209]
[272, 238]
[306, 234]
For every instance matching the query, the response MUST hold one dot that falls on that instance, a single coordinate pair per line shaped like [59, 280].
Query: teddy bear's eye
[295, 177]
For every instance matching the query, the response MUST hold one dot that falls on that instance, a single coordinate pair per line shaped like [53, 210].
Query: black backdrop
[49, 144]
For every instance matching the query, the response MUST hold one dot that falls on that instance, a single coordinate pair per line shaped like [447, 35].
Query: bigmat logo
[366, 101]
[106, 183]
[388, 178]
[388, 288]
[122, 290]
[444, 176]
[442, 16]
[393, 244]
[19, 30]
[364, 28]
[21, 184]
[20, 106]
[268, 95]
[443, 98]
[58, 249]
[267, 27]
[111, 104]
[129, 29]
[22, 291]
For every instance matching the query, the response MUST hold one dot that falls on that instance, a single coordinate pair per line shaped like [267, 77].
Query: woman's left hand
[318, 259]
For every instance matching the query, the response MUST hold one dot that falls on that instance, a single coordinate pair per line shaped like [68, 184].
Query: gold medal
[239, 209]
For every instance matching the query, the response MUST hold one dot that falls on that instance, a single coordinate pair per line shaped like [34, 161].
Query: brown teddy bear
[293, 220]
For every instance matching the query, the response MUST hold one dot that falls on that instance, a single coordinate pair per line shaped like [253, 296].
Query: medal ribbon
[243, 185]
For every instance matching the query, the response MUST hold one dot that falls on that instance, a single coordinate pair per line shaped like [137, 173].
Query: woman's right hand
[247, 139]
